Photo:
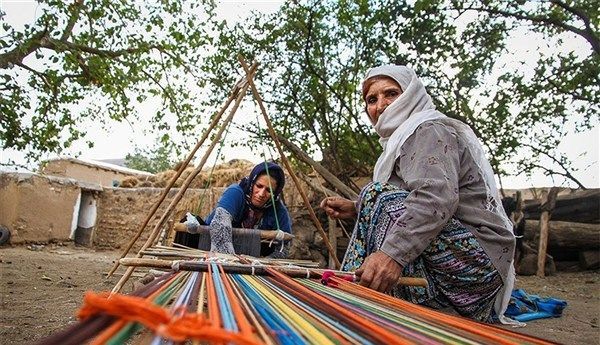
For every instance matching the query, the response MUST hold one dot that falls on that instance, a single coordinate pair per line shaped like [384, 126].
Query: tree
[154, 160]
[314, 53]
[97, 60]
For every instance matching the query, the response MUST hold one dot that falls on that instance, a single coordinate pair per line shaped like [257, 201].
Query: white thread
[175, 265]
[280, 235]
[255, 263]
[191, 223]
[307, 274]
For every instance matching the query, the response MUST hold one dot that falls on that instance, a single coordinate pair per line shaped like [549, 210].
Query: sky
[118, 139]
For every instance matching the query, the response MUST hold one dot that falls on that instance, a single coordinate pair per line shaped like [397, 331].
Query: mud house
[104, 174]
[38, 208]
[62, 203]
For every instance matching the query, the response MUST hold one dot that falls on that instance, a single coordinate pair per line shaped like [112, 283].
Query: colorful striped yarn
[234, 308]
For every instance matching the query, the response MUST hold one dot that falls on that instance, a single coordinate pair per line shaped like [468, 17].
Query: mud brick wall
[121, 212]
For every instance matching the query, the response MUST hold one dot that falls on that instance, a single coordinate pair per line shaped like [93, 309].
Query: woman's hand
[379, 272]
[337, 207]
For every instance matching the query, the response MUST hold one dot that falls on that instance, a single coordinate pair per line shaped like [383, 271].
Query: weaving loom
[221, 307]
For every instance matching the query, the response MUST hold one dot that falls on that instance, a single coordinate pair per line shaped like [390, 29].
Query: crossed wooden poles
[237, 93]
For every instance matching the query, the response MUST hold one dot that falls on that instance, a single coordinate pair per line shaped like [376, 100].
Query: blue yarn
[314, 311]
[284, 333]
[224, 305]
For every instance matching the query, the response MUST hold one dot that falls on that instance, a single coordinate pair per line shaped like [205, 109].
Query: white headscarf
[400, 120]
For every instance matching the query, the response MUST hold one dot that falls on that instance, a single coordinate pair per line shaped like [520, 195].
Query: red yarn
[327, 275]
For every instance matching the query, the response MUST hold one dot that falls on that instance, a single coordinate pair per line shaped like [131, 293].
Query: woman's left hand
[379, 272]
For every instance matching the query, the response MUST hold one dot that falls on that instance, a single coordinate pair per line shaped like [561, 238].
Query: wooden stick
[234, 92]
[264, 234]
[548, 203]
[273, 135]
[332, 238]
[327, 175]
[185, 185]
[233, 268]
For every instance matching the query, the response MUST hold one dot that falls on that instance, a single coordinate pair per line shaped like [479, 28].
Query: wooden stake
[234, 93]
[548, 203]
[185, 185]
[273, 135]
[332, 239]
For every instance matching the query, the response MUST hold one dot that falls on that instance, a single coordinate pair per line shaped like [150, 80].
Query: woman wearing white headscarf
[432, 210]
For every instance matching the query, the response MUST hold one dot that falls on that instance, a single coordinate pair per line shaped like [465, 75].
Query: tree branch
[75, 8]
[167, 93]
[42, 40]
[51, 43]
[20, 52]
[588, 34]
[566, 174]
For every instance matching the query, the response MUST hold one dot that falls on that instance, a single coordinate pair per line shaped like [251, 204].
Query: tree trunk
[566, 235]
[582, 206]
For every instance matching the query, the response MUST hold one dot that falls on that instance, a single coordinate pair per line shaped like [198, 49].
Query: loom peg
[405, 281]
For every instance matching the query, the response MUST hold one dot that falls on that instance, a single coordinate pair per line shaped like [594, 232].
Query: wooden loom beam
[188, 180]
[234, 93]
[286, 163]
[264, 234]
[233, 268]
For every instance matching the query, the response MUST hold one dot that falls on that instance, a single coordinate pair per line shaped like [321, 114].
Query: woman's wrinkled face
[261, 191]
[380, 94]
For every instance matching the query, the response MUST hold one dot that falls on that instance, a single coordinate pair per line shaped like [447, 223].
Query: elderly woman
[253, 203]
[432, 210]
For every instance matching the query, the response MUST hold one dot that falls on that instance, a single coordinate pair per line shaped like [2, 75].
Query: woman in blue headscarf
[253, 203]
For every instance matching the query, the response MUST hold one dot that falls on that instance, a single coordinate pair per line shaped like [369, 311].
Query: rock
[528, 265]
[318, 257]
[35, 247]
[319, 242]
[589, 259]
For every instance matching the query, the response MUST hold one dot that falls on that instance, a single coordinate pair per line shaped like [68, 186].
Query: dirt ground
[41, 288]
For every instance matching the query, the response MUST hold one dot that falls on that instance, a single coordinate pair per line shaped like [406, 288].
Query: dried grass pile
[222, 176]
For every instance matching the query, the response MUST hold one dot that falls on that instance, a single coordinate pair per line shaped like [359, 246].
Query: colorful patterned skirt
[459, 273]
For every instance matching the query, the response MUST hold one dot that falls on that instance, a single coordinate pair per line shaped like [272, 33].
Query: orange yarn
[159, 320]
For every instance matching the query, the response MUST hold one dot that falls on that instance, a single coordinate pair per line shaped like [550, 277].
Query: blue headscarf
[273, 170]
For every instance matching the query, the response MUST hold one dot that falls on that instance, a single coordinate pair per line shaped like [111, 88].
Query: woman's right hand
[337, 207]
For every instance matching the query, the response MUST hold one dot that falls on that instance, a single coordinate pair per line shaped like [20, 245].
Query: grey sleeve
[220, 232]
[429, 164]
